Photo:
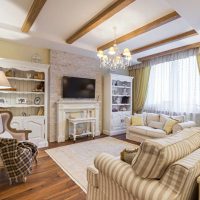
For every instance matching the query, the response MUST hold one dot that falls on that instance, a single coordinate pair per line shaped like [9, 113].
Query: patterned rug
[74, 158]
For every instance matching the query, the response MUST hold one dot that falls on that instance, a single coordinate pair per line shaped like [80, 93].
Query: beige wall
[12, 50]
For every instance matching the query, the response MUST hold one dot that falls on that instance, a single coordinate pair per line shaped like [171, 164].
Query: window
[174, 87]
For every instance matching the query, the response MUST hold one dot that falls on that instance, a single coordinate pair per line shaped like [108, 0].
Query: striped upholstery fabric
[154, 156]
[118, 181]
[92, 176]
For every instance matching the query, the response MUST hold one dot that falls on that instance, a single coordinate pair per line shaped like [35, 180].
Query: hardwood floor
[47, 180]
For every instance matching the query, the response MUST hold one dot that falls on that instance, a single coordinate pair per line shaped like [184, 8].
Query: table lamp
[4, 84]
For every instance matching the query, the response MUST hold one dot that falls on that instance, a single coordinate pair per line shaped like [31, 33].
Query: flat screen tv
[81, 88]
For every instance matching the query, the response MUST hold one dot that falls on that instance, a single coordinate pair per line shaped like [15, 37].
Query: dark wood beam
[32, 14]
[148, 27]
[99, 18]
[165, 41]
[171, 51]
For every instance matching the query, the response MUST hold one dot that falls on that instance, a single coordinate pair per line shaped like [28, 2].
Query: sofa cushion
[147, 131]
[143, 115]
[154, 156]
[6, 135]
[180, 118]
[137, 120]
[152, 117]
[164, 118]
[168, 127]
[154, 124]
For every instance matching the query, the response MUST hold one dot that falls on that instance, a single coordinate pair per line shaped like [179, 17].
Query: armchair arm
[92, 176]
[115, 169]
[124, 176]
[183, 125]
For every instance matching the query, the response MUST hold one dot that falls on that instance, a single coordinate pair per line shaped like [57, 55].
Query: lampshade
[4, 84]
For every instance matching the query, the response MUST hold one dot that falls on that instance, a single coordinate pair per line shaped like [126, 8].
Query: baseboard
[114, 132]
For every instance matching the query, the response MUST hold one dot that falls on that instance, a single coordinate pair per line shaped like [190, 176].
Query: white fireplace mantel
[65, 107]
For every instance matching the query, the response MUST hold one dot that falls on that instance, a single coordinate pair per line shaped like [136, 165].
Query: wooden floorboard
[47, 181]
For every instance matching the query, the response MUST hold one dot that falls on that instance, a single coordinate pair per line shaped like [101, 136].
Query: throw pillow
[143, 115]
[127, 155]
[169, 125]
[155, 124]
[137, 120]
[164, 118]
[180, 118]
[152, 117]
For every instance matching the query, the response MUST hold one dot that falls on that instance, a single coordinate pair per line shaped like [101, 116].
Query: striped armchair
[176, 178]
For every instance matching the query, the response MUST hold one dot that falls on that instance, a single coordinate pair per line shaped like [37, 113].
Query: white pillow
[180, 118]
[155, 124]
[6, 135]
[164, 118]
[152, 117]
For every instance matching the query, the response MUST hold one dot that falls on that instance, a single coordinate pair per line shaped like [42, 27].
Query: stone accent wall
[66, 64]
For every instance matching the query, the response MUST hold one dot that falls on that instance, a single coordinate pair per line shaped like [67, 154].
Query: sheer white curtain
[174, 85]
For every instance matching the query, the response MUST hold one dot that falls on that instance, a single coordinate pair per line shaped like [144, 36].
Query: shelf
[24, 79]
[19, 106]
[121, 111]
[120, 86]
[121, 104]
[120, 95]
[19, 92]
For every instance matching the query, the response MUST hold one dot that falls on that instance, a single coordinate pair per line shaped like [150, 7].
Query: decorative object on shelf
[114, 109]
[125, 100]
[37, 100]
[39, 75]
[40, 111]
[10, 73]
[125, 92]
[21, 100]
[36, 58]
[4, 83]
[24, 114]
[39, 88]
[123, 108]
[28, 75]
[2, 101]
[118, 100]
[114, 59]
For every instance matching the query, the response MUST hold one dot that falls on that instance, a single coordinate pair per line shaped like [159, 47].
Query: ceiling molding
[148, 27]
[99, 18]
[32, 14]
[165, 41]
[171, 51]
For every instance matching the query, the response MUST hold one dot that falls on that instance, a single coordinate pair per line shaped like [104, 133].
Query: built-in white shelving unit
[117, 103]
[27, 100]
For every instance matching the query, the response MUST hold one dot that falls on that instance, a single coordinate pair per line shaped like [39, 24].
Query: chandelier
[114, 59]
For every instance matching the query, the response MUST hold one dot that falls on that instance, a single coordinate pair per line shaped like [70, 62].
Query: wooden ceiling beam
[165, 41]
[171, 51]
[99, 18]
[32, 15]
[148, 27]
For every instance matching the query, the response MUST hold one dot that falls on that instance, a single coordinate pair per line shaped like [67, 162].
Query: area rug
[75, 158]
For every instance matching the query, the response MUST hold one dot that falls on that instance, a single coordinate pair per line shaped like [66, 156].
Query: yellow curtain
[140, 86]
[198, 61]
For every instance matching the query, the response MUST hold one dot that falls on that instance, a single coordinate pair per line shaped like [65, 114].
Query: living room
[99, 100]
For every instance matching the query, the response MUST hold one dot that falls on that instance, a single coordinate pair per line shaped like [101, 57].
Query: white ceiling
[59, 19]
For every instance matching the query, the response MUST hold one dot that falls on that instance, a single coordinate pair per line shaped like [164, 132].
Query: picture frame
[21, 100]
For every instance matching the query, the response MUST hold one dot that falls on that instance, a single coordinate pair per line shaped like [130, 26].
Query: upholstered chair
[7, 132]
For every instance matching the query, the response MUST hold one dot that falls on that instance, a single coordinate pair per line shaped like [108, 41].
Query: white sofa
[140, 133]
